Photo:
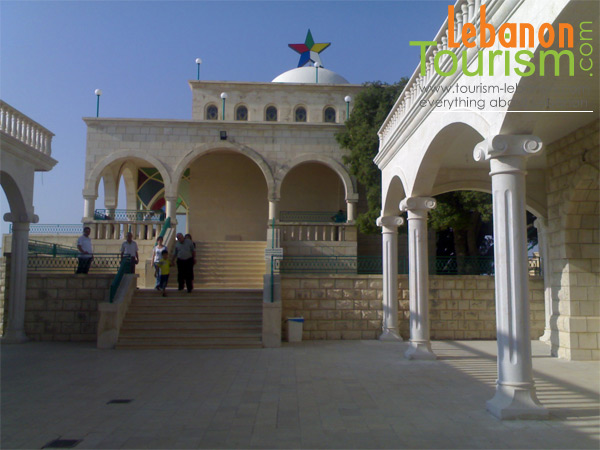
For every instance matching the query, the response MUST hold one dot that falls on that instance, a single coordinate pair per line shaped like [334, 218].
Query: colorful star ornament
[309, 51]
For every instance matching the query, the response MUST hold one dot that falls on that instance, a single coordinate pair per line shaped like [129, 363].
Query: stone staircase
[202, 319]
[229, 265]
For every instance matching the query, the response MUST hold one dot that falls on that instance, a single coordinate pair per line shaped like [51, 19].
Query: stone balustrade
[306, 231]
[420, 86]
[25, 130]
[115, 229]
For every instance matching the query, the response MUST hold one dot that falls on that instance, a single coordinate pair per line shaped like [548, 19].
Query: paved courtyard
[342, 394]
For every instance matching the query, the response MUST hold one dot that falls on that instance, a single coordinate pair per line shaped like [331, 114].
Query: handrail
[140, 215]
[101, 262]
[49, 248]
[166, 226]
[16, 124]
[124, 267]
[53, 228]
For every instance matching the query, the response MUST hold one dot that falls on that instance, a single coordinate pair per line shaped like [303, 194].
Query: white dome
[307, 75]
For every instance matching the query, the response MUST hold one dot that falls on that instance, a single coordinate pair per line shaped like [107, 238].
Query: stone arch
[469, 127]
[128, 171]
[16, 201]
[93, 176]
[342, 172]
[393, 193]
[204, 149]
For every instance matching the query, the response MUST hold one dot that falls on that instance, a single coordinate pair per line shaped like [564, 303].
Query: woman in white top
[156, 257]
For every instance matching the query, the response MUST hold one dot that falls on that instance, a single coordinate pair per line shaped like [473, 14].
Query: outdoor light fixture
[224, 97]
[347, 99]
[98, 93]
[223, 135]
[317, 65]
[198, 61]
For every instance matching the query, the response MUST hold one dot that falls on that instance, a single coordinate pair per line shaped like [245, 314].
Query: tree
[464, 214]
[359, 137]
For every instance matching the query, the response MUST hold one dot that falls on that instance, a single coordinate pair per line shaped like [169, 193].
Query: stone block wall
[64, 307]
[573, 229]
[350, 306]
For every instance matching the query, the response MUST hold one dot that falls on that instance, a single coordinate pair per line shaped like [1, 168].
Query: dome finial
[309, 51]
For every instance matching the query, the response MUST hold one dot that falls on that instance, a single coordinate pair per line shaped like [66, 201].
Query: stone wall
[3, 286]
[64, 307]
[574, 243]
[350, 306]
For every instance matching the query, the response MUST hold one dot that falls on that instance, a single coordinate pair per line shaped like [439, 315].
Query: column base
[546, 336]
[516, 402]
[420, 350]
[390, 335]
[14, 337]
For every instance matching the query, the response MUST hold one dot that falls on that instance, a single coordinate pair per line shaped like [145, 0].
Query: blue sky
[142, 53]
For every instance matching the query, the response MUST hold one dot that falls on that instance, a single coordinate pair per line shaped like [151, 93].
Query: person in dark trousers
[185, 254]
[86, 251]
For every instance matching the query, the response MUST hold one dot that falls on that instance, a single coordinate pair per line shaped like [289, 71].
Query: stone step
[189, 344]
[237, 326]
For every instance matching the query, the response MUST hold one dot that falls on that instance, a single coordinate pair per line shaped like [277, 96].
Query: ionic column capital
[417, 207]
[507, 145]
[389, 224]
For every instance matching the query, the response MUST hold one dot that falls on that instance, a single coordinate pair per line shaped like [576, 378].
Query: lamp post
[224, 97]
[198, 62]
[347, 99]
[98, 93]
[317, 65]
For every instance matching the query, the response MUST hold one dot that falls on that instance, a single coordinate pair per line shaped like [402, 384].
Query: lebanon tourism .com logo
[516, 41]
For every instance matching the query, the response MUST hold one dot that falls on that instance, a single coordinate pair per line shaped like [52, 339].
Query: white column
[89, 206]
[171, 210]
[541, 226]
[515, 391]
[351, 207]
[15, 327]
[418, 276]
[389, 234]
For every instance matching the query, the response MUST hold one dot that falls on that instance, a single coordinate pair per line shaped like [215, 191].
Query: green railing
[103, 262]
[442, 265]
[47, 248]
[124, 267]
[131, 215]
[307, 216]
[53, 228]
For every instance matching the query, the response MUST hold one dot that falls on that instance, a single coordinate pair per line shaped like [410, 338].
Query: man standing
[84, 245]
[186, 258]
[130, 248]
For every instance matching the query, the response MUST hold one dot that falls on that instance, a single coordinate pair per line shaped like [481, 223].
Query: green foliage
[359, 137]
[456, 209]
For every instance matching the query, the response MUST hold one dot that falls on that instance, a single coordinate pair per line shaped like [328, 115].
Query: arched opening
[312, 187]
[227, 198]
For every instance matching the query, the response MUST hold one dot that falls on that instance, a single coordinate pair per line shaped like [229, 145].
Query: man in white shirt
[130, 248]
[84, 245]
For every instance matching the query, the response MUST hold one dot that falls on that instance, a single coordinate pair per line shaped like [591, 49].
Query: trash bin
[295, 329]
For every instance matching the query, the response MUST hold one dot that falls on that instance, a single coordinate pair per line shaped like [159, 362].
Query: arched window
[300, 114]
[212, 112]
[271, 114]
[329, 115]
[241, 113]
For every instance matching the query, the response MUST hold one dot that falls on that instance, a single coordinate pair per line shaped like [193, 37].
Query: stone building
[539, 132]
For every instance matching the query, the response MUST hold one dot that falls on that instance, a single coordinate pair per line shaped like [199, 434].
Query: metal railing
[53, 228]
[101, 263]
[124, 267]
[441, 265]
[133, 215]
[47, 248]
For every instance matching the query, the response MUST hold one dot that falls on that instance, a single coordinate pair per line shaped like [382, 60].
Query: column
[89, 206]
[389, 235]
[515, 391]
[15, 327]
[541, 227]
[171, 209]
[351, 207]
[418, 276]
[273, 231]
